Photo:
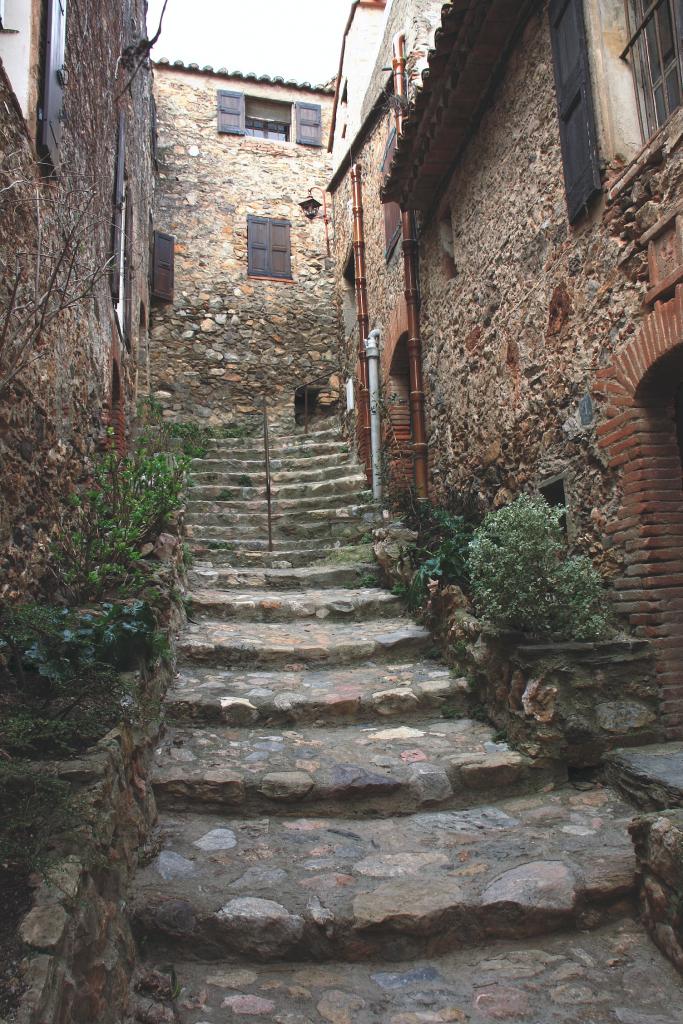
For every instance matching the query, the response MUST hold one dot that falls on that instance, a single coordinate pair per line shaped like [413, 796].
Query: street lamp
[310, 207]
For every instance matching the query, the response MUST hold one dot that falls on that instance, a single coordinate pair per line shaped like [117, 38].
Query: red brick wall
[639, 438]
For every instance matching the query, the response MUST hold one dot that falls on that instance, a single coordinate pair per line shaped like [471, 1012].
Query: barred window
[654, 54]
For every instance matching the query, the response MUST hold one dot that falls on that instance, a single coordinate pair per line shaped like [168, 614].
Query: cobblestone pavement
[338, 841]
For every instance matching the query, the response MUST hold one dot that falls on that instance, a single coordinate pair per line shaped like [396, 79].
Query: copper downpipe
[361, 309]
[412, 295]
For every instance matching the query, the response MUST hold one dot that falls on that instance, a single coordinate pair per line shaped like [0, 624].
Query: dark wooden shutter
[269, 247]
[258, 244]
[280, 249]
[128, 273]
[163, 266]
[231, 112]
[53, 90]
[575, 104]
[309, 124]
[392, 211]
[119, 195]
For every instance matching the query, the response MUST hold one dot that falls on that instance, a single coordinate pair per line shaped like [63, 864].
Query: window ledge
[651, 153]
[265, 277]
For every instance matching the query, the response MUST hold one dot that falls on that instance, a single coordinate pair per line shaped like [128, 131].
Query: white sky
[299, 39]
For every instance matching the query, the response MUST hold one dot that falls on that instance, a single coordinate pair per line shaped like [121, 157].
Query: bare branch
[140, 52]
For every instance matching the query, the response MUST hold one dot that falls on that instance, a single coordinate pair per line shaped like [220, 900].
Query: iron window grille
[260, 128]
[654, 54]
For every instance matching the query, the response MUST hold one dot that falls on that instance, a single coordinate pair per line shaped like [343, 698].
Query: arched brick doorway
[641, 437]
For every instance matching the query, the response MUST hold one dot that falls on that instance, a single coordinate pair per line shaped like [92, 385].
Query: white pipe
[372, 355]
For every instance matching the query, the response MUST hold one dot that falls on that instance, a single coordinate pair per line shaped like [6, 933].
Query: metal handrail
[309, 384]
[266, 446]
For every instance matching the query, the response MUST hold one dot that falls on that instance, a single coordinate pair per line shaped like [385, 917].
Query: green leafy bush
[441, 551]
[522, 578]
[128, 502]
[61, 686]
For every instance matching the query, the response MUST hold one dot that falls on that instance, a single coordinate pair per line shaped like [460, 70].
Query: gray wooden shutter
[309, 124]
[163, 267]
[280, 249]
[258, 244]
[53, 89]
[575, 104]
[231, 112]
[119, 195]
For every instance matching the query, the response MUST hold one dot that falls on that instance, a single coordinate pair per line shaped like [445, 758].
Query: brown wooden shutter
[575, 104]
[231, 112]
[53, 89]
[280, 249]
[163, 266]
[269, 247]
[258, 244]
[309, 124]
[392, 211]
[119, 194]
[128, 273]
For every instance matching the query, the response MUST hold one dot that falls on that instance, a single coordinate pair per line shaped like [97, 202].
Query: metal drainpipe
[372, 353]
[412, 295]
[361, 305]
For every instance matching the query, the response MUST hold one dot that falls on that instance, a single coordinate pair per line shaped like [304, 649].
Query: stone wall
[56, 410]
[227, 338]
[658, 840]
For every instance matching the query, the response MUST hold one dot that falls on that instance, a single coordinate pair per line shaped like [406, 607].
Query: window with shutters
[392, 211]
[654, 53]
[263, 118]
[163, 266]
[269, 248]
[576, 113]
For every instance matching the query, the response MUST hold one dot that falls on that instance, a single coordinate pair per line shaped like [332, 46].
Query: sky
[299, 39]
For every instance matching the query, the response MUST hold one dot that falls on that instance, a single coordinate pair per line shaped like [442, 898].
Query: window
[263, 118]
[392, 211]
[269, 249]
[163, 255]
[654, 54]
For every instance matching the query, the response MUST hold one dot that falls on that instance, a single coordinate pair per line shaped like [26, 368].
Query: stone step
[207, 577]
[613, 975]
[325, 696]
[283, 518]
[284, 556]
[396, 888]
[205, 499]
[291, 531]
[316, 475]
[651, 777]
[254, 473]
[289, 463]
[345, 605]
[356, 770]
[301, 449]
[343, 486]
[221, 644]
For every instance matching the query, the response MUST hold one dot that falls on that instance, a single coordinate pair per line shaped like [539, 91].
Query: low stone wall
[567, 702]
[658, 840]
[79, 948]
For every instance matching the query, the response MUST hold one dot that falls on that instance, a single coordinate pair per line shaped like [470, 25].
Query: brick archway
[639, 437]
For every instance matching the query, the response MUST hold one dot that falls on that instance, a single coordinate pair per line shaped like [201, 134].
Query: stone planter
[567, 702]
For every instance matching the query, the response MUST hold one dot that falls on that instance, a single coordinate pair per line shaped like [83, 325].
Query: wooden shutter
[309, 124]
[574, 104]
[392, 211]
[280, 249]
[258, 244]
[53, 89]
[269, 247]
[128, 273]
[119, 195]
[231, 112]
[163, 266]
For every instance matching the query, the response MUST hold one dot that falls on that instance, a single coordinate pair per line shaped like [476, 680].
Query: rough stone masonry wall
[228, 338]
[56, 411]
[513, 341]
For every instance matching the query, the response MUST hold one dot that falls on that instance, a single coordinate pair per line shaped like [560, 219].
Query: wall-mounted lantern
[310, 207]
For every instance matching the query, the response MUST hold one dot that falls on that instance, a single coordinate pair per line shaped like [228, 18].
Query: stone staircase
[338, 841]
